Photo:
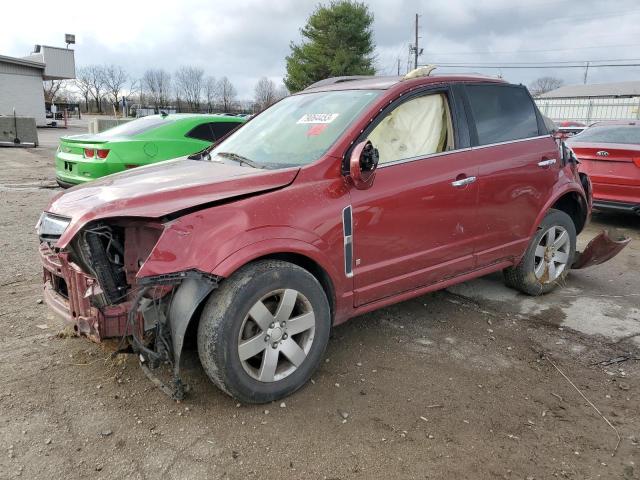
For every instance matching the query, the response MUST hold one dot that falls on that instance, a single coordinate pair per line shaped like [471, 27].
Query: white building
[591, 103]
[21, 80]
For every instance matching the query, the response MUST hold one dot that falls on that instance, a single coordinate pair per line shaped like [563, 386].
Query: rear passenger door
[518, 168]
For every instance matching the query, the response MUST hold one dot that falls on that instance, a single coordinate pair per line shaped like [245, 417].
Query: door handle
[547, 163]
[464, 181]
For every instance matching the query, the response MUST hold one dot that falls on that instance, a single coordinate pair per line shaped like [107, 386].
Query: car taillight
[89, 152]
[102, 153]
[636, 160]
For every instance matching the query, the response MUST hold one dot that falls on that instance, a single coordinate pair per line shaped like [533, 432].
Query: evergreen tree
[337, 40]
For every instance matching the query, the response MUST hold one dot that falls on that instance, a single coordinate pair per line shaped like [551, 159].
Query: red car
[609, 152]
[349, 196]
[568, 128]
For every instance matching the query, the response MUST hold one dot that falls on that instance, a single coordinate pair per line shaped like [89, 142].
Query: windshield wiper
[240, 159]
[202, 154]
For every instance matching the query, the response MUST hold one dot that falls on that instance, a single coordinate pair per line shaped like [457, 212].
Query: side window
[201, 132]
[220, 129]
[502, 113]
[418, 127]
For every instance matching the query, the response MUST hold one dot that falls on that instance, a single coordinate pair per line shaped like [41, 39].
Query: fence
[590, 110]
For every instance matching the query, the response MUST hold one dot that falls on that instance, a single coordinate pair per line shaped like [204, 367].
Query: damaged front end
[92, 283]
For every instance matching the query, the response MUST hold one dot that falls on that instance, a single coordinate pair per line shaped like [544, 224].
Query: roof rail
[334, 80]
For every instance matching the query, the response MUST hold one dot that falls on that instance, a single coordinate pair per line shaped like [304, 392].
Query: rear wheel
[263, 332]
[548, 258]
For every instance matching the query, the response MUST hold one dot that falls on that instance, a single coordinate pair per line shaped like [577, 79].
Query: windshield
[135, 127]
[610, 134]
[295, 131]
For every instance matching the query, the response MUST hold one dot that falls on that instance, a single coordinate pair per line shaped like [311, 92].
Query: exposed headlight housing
[50, 227]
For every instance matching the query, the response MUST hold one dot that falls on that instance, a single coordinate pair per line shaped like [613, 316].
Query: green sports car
[82, 158]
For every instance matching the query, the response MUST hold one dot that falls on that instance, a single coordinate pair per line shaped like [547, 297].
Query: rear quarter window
[502, 113]
[201, 132]
[220, 129]
[212, 131]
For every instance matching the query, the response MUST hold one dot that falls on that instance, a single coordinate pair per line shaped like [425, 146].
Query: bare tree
[51, 89]
[282, 92]
[226, 94]
[265, 93]
[544, 84]
[94, 74]
[157, 83]
[115, 79]
[189, 82]
[136, 92]
[210, 92]
[83, 85]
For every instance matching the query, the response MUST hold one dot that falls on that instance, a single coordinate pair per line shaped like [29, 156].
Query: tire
[535, 278]
[64, 185]
[246, 314]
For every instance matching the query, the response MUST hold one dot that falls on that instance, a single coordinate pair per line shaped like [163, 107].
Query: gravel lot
[453, 385]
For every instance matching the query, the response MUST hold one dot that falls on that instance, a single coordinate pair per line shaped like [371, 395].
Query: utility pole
[415, 49]
[398, 66]
[415, 63]
[586, 72]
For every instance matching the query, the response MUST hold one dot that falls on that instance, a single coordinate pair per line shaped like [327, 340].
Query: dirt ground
[458, 384]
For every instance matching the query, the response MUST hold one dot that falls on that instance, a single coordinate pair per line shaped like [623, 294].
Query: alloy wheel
[276, 335]
[551, 256]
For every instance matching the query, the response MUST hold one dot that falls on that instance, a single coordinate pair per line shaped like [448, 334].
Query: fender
[342, 285]
[187, 298]
[563, 190]
[272, 246]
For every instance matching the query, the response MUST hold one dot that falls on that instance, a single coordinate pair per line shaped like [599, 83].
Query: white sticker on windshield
[318, 118]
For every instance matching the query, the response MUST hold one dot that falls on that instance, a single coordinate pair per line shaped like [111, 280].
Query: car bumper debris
[600, 249]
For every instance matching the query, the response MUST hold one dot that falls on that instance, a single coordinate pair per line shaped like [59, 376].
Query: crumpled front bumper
[69, 292]
[600, 249]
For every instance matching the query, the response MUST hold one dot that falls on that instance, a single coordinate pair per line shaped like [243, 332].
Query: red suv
[349, 196]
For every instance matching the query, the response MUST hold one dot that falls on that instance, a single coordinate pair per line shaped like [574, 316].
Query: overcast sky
[247, 39]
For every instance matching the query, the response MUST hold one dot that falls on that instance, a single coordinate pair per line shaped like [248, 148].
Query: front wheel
[263, 332]
[548, 258]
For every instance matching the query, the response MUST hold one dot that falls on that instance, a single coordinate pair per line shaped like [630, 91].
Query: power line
[609, 65]
[547, 62]
[593, 17]
[535, 51]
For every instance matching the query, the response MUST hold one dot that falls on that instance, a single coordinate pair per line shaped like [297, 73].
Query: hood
[161, 189]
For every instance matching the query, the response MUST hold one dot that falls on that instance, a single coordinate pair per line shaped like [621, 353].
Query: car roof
[361, 82]
[619, 123]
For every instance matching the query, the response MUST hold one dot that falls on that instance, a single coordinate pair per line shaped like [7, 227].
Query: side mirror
[363, 164]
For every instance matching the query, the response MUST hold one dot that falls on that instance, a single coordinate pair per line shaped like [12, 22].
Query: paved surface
[456, 384]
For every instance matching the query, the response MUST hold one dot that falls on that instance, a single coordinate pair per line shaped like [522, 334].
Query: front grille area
[60, 286]
[70, 293]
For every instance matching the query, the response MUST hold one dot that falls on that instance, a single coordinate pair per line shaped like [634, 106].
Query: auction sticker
[318, 118]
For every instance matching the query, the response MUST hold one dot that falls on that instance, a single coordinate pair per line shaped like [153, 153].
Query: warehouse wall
[21, 87]
[589, 110]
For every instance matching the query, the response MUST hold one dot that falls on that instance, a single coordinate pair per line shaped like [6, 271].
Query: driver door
[415, 225]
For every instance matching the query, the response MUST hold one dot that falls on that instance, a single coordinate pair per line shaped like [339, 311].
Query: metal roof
[21, 61]
[618, 89]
